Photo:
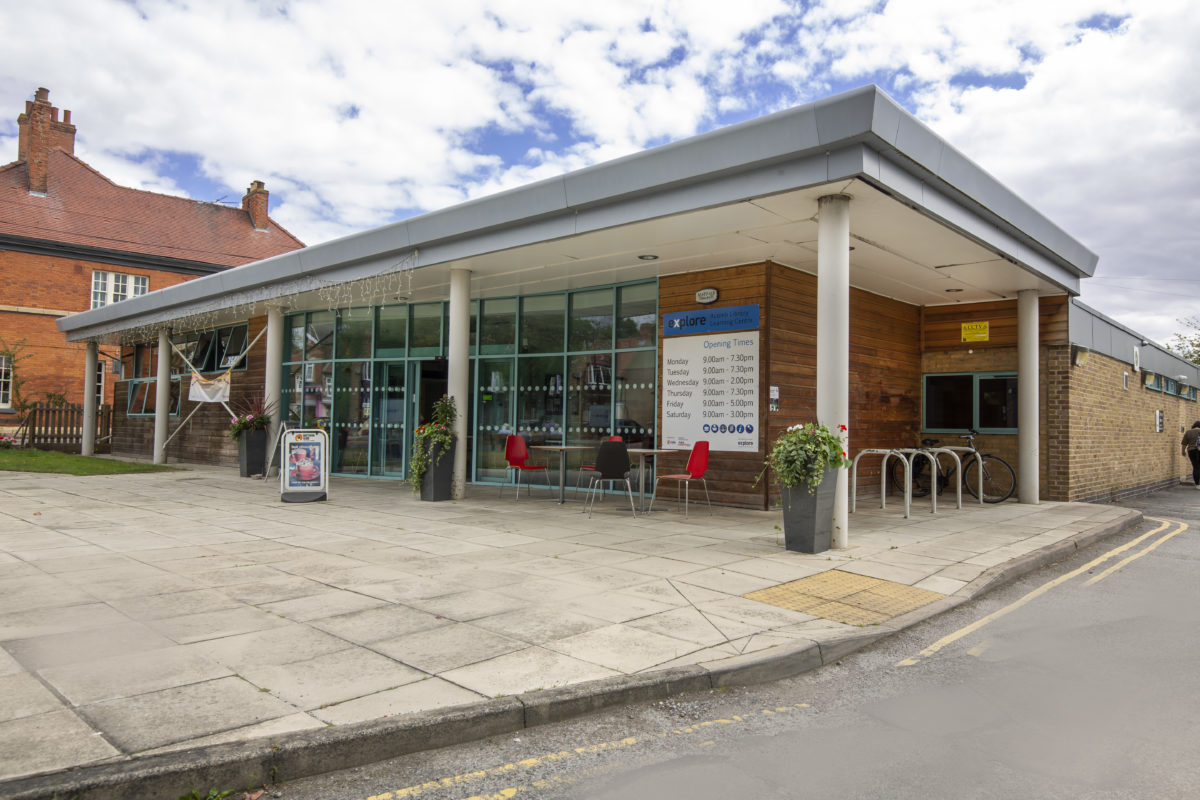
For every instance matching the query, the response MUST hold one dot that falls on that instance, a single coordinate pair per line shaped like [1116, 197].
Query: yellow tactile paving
[846, 597]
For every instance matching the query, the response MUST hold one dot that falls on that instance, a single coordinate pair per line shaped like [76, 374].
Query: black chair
[612, 465]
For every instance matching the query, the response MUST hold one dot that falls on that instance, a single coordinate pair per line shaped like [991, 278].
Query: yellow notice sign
[975, 331]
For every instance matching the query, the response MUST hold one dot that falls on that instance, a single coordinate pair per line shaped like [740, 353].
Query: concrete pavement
[168, 631]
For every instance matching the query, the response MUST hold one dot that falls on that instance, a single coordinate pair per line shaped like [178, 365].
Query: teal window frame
[217, 345]
[976, 378]
[513, 305]
[1154, 382]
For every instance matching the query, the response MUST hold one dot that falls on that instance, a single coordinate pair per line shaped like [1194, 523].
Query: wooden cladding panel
[205, 439]
[885, 368]
[730, 476]
[942, 325]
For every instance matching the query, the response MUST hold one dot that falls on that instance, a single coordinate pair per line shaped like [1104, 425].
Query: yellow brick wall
[1115, 450]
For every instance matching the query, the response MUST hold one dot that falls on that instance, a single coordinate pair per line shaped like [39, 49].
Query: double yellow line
[1163, 524]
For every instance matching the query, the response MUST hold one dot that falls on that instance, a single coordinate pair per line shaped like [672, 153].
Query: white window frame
[113, 287]
[6, 382]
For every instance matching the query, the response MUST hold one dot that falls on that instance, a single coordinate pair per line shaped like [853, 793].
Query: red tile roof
[83, 207]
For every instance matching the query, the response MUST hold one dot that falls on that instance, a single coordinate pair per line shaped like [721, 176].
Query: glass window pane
[388, 418]
[998, 402]
[496, 395]
[473, 347]
[426, 329]
[637, 315]
[354, 332]
[589, 398]
[635, 393]
[137, 397]
[319, 336]
[295, 329]
[591, 320]
[542, 323]
[499, 333]
[540, 399]
[948, 401]
[351, 425]
[392, 331]
[292, 393]
[233, 342]
[318, 394]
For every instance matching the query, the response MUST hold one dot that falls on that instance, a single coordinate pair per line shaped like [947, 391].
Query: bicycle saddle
[929, 442]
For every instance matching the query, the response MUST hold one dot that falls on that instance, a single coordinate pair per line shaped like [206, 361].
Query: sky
[356, 113]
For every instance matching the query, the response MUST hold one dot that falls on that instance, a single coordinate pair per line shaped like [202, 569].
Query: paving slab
[130, 632]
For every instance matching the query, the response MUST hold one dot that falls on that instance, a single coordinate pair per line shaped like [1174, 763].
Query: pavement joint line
[297, 755]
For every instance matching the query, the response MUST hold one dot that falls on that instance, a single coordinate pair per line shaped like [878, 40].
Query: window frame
[105, 286]
[6, 381]
[975, 394]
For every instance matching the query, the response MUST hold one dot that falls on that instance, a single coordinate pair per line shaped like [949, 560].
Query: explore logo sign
[711, 320]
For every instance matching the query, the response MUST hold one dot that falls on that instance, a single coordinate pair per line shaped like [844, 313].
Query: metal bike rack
[964, 449]
[883, 476]
[932, 453]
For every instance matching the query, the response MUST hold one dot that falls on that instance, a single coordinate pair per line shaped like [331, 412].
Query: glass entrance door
[428, 382]
[388, 420]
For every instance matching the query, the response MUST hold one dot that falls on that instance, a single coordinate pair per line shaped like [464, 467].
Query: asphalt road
[1078, 681]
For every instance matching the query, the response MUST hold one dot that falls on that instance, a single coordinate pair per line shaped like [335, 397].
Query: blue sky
[360, 112]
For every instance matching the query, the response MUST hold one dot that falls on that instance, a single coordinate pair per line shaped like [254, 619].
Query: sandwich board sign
[304, 457]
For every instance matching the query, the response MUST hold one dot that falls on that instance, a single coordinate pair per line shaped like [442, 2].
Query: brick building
[836, 261]
[72, 240]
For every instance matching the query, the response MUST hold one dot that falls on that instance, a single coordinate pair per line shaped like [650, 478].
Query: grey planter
[808, 517]
[436, 482]
[252, 452]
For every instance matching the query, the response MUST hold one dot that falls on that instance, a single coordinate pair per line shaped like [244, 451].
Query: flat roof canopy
[923, 220]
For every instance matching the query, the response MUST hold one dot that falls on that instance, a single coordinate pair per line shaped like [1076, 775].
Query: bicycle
[999, 480]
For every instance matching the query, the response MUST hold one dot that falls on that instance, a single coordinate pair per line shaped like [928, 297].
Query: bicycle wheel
[920, 477]
[999, 480]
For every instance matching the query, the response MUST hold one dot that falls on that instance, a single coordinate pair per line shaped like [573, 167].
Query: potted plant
[248, 427]
[805, 459]
[430, 471]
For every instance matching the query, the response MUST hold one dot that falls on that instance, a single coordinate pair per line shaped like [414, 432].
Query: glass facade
[570, 367]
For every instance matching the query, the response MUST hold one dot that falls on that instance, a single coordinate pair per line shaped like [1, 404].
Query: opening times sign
[710, 390]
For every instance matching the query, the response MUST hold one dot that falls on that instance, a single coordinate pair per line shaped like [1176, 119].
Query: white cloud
[358, 111]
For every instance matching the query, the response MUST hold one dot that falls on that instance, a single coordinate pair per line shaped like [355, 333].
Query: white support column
[458, 383]
[88, 446]
[162, 396]
[273, 372]
[833, 335]
[1028, 408]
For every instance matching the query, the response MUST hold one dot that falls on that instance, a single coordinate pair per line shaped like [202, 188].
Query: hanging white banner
[209, 390]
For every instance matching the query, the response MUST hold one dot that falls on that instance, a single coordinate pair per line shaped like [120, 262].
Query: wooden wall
[885, 370]
[941, 326]
[205, 438]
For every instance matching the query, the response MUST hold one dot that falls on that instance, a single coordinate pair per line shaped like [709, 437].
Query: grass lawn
[21, 460]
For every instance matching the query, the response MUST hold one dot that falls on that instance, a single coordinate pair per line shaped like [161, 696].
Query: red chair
[591, 467]
[697, 465]
[516, 453]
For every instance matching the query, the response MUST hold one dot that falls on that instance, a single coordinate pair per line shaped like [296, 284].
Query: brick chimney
[254, 203]
[38, 132]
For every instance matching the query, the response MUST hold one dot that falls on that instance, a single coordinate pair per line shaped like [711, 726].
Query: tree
[1188, 345]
